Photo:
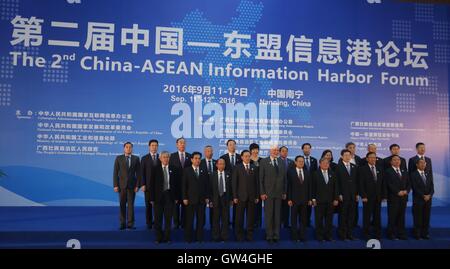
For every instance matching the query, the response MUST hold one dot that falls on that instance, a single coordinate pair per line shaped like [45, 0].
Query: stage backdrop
[79, 78]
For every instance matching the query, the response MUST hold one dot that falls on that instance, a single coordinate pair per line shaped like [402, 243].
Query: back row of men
[180, 186]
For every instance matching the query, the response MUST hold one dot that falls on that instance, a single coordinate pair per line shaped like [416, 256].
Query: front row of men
[325, 189]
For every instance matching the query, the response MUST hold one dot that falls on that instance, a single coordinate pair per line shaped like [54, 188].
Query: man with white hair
[272, 189]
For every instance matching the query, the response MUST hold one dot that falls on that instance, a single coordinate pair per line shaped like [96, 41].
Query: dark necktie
[300, 176]
[154, 159]
[398, 173]
[275, 164]
[348, 169]
[307, 163]
[182, 159]
[210, 168]
[374, 172]
[246, 168]
[232, 161]
[196, 172]
[128, 161]
[424, 179]
[221, 185]
[166, 179]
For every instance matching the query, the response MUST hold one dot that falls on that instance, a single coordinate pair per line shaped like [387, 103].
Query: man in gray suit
[126, 179]
[272, 176]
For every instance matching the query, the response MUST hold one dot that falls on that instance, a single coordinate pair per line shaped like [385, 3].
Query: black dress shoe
[131, 228]
[329, 239]
[402, 237]
[351, 238]
[270, 241]
[426, 237]
[122, 227]
[275, 240]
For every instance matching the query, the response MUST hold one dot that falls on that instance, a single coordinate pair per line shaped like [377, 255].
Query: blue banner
[79, 78]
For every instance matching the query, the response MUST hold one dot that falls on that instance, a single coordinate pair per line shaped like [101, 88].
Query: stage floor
[97, 227]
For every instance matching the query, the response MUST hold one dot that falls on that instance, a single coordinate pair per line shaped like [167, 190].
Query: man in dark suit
[232, 158]
[372, 191]
[347, 180]
[179, 159]
[126, 178]
[420, 148]
[195, 197]
[255, 160]
[299, 197]
[355, 159]
[245, 196]
[325, 195]
[395, 150]
[163, 189]
[220, 189]
[423, 190]
[310, 166]
[398, 185]
[147, 163]
[288, 163]
[273, 189]
[208, 164]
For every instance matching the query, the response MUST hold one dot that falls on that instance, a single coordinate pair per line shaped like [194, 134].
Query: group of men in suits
[179, 187]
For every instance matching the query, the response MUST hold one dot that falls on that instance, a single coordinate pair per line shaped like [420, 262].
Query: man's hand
[235, 201]
[185, 202]
[341, 198]
[207, 201]
[152, 203]
[136, 189]
[211, 205]
[290, 203]
[335, 202]
[283, 196]
[310, 203]
[365, 200]
[357, 198]
[116, 189]
[314, 203]
[256, 200]
[143, 188]
[263, 197]
[400, 193]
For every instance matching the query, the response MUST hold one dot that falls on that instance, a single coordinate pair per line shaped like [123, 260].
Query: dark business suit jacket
[195, 189]
[124, 177]
[420, 188]
[368, 187]
[299, 191]
[147, 165]
[214, 194]
[204, 165]
[348, 183]
[245, 185]
[226, 157]
[323, 192]
[156, 186]
[396, 184]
